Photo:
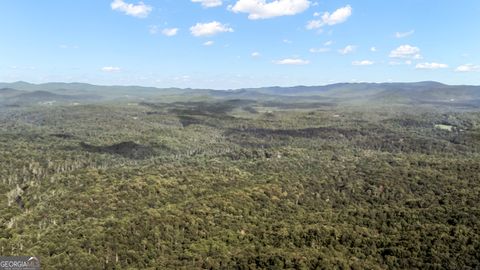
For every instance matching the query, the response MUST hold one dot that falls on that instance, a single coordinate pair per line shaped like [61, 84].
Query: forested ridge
[240, 185]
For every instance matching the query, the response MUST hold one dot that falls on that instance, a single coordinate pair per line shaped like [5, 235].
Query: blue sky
[225, 44]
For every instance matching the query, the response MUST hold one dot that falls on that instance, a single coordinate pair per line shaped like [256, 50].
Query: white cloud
[319, 50]
[209, 3]
[328, 43]
[208, 43]
[261, 9]
[338, 16]
[373, 49]
[65, 47]
[287, 41]
[404, 34]
[406, 51]
[256, 54]
[314, 24]
[292, 61]
[170, 32]
[139, 10]
[153, 29]
[348, 49]
[111, 69]
[209, 29]
[430, 66]
[362, 63]
[467, 68]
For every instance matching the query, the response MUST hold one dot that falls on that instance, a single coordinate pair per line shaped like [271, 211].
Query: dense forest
[240, 184]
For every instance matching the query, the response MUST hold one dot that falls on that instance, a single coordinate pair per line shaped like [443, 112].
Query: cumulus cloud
[111, 69]
[314, 24]
[153, 29]
[406, 51]
[255, 54]
[209, 3]
[348, 49]
[431, 66]
[139, 10]
[209, 29]
[404, 34]
[373, 49]
[208, 43]
[362, 63]
[261, 9]
[338, 16]
[467, 68]
[328, 43]
[292, 61]
[170, 32]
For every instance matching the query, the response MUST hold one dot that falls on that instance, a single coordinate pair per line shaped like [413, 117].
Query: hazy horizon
[239, 88]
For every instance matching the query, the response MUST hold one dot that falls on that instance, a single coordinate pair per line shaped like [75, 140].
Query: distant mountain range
[23, 93]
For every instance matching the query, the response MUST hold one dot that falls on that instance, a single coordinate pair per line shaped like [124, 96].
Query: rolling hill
[428, 93]
[17, 97]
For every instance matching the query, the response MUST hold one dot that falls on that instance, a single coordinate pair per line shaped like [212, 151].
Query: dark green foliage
[186, 185]
[126, 149]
